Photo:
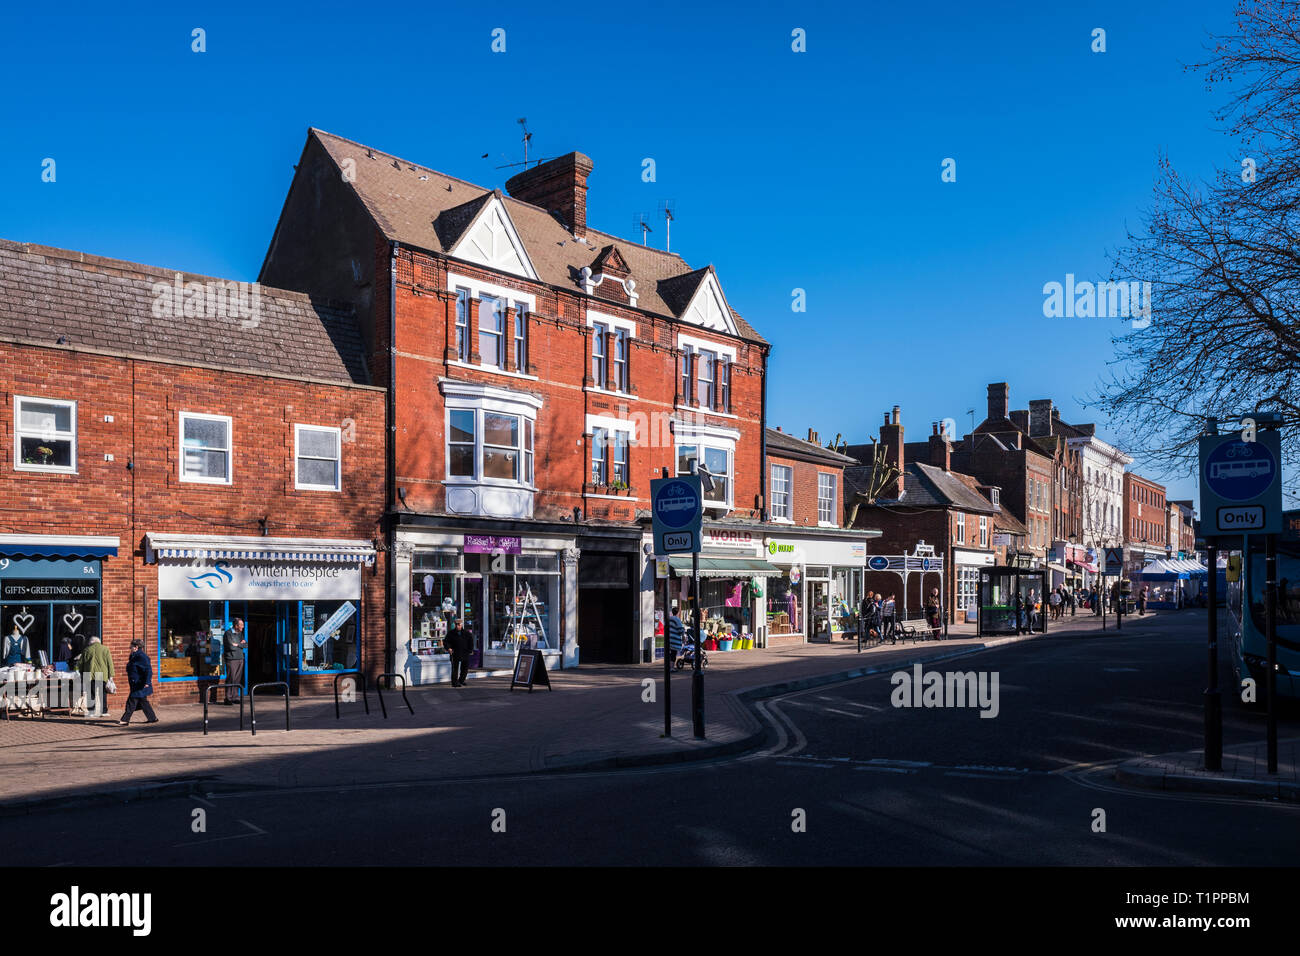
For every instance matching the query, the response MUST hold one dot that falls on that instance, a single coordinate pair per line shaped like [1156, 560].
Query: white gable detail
[708, 309]
[493, 242]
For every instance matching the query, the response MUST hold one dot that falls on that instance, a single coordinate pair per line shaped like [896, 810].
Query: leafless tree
[1223, 258]
[883, 473]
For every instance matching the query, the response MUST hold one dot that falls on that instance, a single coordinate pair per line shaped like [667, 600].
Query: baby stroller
[687, 656]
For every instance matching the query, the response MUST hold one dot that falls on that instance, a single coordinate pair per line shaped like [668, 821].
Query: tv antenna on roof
[639, 222]
[666, 209]
[523, 123]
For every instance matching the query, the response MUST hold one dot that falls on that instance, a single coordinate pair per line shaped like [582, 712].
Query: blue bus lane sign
[677, 512]
[1241, 483]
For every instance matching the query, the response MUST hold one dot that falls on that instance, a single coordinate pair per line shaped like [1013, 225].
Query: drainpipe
[762, 437]
[390, 466]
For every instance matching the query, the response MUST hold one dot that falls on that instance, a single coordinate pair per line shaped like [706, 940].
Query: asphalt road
[875, 784]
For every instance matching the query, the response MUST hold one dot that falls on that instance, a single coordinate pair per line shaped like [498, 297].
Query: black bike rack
[379, 690]
[207, 697]
[252, 703]
[364, 697]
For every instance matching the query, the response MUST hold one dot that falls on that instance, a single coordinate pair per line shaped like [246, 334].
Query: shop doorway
[263, 645]
[607, 614]
[471, 604]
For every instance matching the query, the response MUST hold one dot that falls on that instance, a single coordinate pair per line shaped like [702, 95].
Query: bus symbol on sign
[1240, 471]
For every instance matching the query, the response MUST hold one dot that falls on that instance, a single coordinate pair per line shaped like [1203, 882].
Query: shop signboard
[728, 538]
[1241, 483]
[493, 544]
[332, 623]
[258, 581]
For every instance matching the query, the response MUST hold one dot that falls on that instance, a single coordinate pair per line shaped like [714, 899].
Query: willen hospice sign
[258, 581]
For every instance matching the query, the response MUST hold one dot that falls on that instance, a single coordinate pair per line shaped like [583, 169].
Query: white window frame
[961, 526]
[600, 337]
[787, 473]
[230, 448]
[704, 444]
[298, 429]
[830, 478]
[984, 531]
[19, 434]
[499, 360]
[481, 400]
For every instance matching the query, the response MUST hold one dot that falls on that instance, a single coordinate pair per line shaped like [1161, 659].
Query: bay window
[460, 443]
[718, 461]
[489, 445]
[501, 446]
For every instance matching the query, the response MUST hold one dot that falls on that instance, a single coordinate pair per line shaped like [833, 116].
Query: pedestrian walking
[934, 613]
[139, 674]
[889, 619]
[676, 635]
[460, 644]
[1142, 600]
[1020, 613]
[1056, 600]
[232, 656]
[867, 616]
[95, 665]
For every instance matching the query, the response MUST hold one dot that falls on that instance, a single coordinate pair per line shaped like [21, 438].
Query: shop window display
[339, 650]
[190, 634]
[785, 604]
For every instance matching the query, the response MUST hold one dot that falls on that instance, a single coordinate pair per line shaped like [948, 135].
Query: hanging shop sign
[258, 581]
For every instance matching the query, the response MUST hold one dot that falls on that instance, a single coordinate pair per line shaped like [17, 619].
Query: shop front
[301, 601]
[51, 592]
[967, 563]
[817, 588]
[511, 591]
[734, 577]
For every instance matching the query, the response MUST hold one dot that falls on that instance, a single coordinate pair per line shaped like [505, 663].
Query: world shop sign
[728, 538]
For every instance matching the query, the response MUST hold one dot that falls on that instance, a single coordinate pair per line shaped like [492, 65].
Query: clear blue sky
[816, 170]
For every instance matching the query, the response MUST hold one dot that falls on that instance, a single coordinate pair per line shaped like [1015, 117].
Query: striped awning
[179, 547]
[724, 567]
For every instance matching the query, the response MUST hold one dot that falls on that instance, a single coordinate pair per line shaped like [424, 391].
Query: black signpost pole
[697, 673]
[668, 664]
[1213, 702]
[1270, 610]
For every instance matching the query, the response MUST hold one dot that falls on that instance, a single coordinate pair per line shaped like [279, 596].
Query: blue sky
[816, 170]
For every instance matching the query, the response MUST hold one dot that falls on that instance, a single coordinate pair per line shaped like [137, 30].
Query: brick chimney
[999, 400]
[559, 186]
[940, 449]
[1040, 417]
[891, 439]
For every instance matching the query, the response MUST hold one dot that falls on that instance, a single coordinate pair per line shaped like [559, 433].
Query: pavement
[1244, 772]
[597, 717]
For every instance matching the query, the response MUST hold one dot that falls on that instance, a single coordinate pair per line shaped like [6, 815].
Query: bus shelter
[997, 601]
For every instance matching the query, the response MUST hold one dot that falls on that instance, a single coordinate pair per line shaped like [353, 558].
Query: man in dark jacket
[232, 655]
[140, 675]
[459, 642]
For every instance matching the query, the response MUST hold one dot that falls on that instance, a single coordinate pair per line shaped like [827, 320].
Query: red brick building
[929, 503]
[1146, 522]
[177, 451]
[540, 373]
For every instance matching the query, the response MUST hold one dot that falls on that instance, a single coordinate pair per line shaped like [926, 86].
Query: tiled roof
[110, 305]
[421, 207]
[783, 442]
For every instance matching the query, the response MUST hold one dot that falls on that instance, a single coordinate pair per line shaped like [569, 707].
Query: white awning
[253, 548]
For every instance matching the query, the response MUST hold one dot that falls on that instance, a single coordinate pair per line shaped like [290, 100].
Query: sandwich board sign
[530, 669]
[1241, 483]
[677, 512]
[1114, 561]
